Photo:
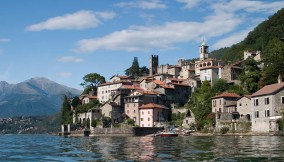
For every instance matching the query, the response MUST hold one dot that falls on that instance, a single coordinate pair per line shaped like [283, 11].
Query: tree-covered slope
[258, 39]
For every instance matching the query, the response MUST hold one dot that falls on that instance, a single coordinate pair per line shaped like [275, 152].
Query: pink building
[151, 114]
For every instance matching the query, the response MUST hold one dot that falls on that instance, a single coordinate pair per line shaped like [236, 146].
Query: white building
[105, 90]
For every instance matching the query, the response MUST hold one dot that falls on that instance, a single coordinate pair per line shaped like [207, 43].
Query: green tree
[250, 76]
[143, 70]
[274, 61]
[76, 101]
[93, 80]
[66, 112]
[133, 71]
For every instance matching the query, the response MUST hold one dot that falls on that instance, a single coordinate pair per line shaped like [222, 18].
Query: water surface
[189, 148]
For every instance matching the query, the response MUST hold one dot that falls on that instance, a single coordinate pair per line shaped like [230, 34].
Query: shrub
[224, 130]
[130, 121]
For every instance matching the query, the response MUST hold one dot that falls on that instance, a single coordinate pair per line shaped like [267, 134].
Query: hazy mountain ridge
[33, 97]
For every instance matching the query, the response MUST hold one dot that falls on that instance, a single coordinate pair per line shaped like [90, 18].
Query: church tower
[154, 62]
[203, 51]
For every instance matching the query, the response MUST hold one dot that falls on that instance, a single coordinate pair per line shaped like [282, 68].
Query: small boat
[168, 134]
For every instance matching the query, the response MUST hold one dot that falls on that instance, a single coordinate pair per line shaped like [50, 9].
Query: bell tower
[154, 62]
[203, 51]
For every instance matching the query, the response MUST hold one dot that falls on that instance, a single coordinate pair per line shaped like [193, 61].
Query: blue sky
[64, 40]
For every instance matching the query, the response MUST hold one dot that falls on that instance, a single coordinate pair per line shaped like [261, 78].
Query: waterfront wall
[132, 131]
[234, 127]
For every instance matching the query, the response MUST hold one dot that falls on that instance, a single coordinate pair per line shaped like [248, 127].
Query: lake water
[187, 148]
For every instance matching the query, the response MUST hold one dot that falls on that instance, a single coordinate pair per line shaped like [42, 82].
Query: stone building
[106, 90]
[231, 72]
[244, 107]
[136, 99]
[256, 55]
[267, 105]
[225, 105]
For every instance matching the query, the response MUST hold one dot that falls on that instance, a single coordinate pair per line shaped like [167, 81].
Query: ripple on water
[220, 148]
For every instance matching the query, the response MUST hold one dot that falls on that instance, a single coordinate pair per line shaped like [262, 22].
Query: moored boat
[168, 134]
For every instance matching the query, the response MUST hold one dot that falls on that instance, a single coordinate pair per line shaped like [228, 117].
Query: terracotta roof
[269, 89]
[210, 67]
[162, 84]
[176, 79]
[110, 83]
[130, 87]
[146, 92]
[227, 95]
[92, 97]
[152, 106]
[190, 69]
[180, 84]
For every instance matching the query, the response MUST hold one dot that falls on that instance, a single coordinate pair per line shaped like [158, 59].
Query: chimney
[279, 78]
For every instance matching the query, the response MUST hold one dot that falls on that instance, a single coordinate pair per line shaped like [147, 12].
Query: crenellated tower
[154, 63]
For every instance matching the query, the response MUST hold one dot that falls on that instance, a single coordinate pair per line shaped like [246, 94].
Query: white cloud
[4, 40]
[248, 6]
[189, 3]
[78, 20]
[70, 59]
[163, 36]
[64, 74]
[145, 4]
[232, 39]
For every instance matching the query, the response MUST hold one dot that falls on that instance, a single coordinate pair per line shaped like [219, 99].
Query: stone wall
[134, 131]
[234, 127]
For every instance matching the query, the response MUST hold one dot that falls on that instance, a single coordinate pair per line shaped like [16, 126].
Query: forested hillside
[258, 39]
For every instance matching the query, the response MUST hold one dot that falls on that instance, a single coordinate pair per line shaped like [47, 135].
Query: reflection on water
[218, 148]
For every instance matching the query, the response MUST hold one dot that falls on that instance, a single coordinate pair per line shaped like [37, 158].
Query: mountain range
[33, 97]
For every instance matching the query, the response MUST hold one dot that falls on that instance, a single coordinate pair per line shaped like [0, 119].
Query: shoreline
[196, 134]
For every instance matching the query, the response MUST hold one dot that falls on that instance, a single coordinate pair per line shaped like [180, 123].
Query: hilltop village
[165, 94]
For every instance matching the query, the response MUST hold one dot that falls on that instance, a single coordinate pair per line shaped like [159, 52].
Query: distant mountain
[258, 39]
[33, 97]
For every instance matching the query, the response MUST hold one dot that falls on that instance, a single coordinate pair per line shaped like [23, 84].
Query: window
[127, 111]
[141, 119]
[256, 102]
[148, 119]
[127, 105]
[142, 112]
[267, 113]
[240, 104]
[134, 111]
[282, 99]
[148, 112]
[186, 121]
[266, 100]
[224, 103]
[134, 118]
[256, 114]
[142, 125]
[220, 102]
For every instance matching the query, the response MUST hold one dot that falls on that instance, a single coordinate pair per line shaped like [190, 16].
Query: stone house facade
[267, 105]
[244, 107]
[225, 105]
